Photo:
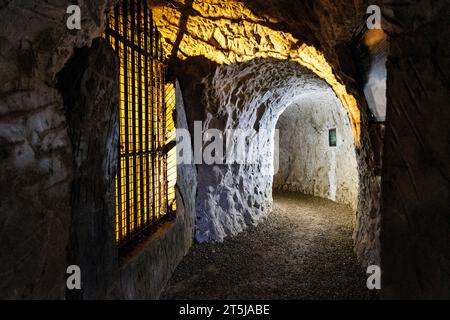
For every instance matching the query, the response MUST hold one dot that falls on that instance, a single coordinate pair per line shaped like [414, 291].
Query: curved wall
[307, 163]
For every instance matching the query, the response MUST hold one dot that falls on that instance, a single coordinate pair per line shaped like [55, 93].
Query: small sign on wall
[332, 137]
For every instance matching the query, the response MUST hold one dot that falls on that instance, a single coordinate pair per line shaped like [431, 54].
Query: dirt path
[303, 250]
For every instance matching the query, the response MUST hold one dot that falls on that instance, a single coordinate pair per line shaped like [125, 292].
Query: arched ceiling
[227, 32]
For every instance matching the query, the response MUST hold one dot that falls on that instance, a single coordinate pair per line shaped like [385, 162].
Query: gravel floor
[303, 250]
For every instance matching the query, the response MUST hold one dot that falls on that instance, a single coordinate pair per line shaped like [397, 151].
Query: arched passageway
[302, 250]
[239, 64]
[317, 149]
[242, 76]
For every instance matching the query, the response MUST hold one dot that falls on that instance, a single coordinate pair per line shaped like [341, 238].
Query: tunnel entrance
[297, 241]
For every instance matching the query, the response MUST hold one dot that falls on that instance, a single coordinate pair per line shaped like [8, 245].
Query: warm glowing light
[171, 136]
[145, 185]
[227, 32]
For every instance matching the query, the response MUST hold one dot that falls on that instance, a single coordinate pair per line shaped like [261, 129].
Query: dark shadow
[182, 27]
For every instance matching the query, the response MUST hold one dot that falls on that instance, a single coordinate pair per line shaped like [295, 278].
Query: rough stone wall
[228, 32]
[186, 187]
[144, 274]
[37, 162]
[366, 232]
[35, 149]
[89, 84]
[307, 163]
[415, 236]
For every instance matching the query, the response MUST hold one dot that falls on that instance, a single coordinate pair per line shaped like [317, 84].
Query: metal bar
[133, 119]
[163, 133]
[140, 50]
[127, 146]
[144, 153]
[140, 117]
[163, 140]
[157, 122]
[164, 105]
[152, 47]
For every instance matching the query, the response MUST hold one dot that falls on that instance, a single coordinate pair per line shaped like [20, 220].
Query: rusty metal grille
[145, 184]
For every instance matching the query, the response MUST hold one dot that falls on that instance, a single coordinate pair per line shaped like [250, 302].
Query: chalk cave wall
[307, 163]
[58, 132]
[36, 153]
[38, 167]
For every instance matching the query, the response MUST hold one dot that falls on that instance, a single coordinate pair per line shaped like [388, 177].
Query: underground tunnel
[342, 128]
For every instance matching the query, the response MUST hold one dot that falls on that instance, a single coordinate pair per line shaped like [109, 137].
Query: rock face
[307, 163]
[89, 84]
[36, 153]
[58, 161]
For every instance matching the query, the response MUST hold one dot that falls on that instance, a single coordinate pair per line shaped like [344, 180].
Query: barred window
[145, 183]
